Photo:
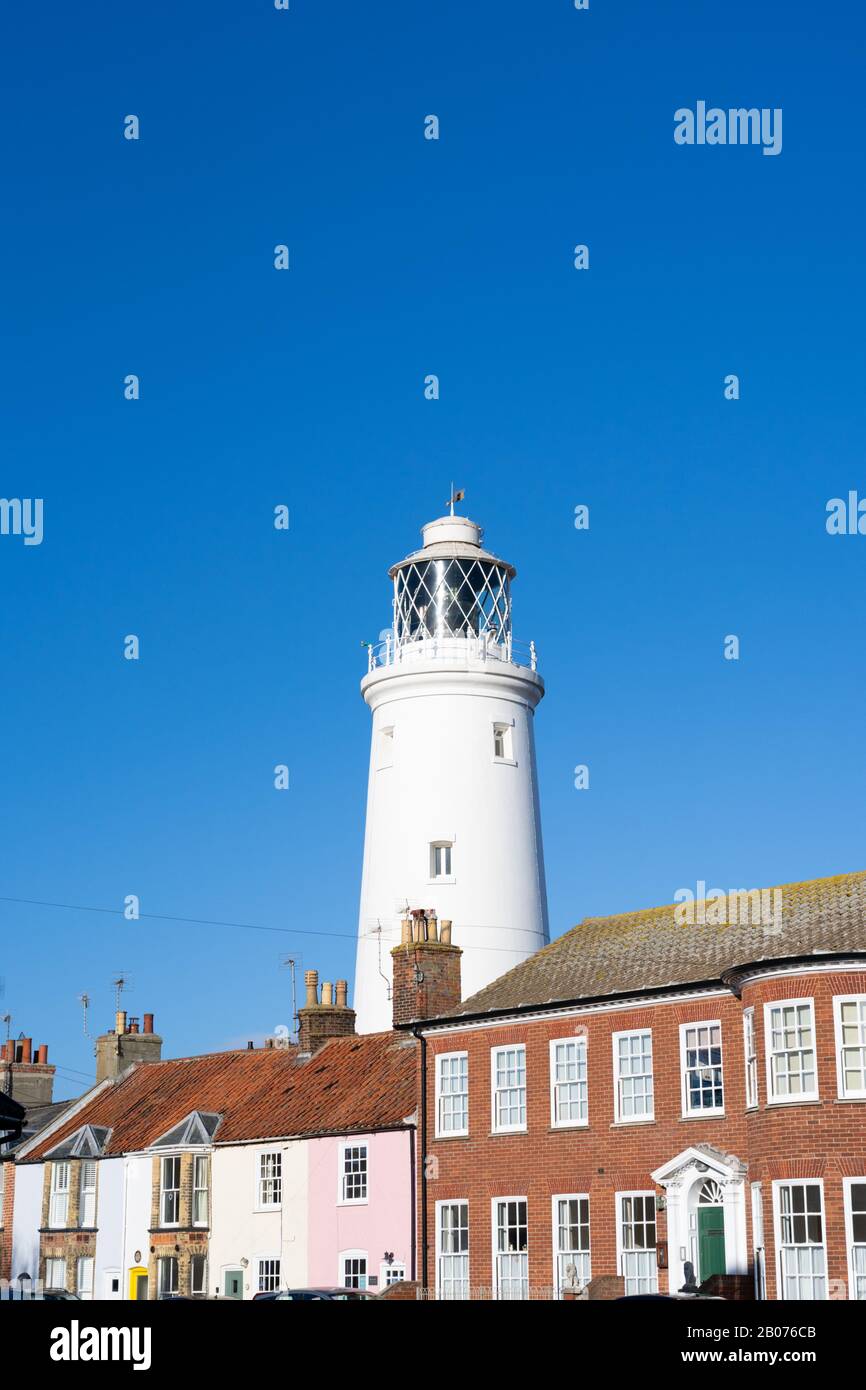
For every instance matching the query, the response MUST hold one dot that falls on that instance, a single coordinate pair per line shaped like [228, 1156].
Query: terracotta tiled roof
[353, 1084]
[636, 951]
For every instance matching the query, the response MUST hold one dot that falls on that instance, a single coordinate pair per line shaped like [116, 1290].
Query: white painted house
[236, 1173]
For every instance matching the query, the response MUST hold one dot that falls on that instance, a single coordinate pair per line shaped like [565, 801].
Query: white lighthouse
[452, 803]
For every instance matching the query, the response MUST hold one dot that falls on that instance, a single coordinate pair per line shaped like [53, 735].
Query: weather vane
[455, 497]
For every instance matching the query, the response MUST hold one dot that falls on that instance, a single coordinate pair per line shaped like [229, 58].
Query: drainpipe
[423, 1137]
[413, 1238]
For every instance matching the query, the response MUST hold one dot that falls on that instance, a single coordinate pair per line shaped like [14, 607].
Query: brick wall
[825, 1139]
[6, 1207]
[426, 980]
[182, 1242]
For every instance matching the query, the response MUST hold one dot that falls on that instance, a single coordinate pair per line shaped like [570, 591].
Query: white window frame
[345, 1255]
[700, 1112]
[448, 876]
[441, 1095]
[84, 1265]
[59, 1262]
[799, 1097]
[622, 1249]
[342, 1174]
[200, 1164]
[387, 1273]
[269, 1274]
[557, 1253]
[750, 1058]
[58, 1203]
[274, 1178]
[842, 1091]
[442, 1255]
[580, 1042]
[848, 1185]
[385, 748]
[162, 1262]
[759, 1244]
[619, 1118]
[496, 1252]
[164, 1190]
[778, 1184]
[87, 1195]
[504, 730]
[495, 1126]
[202, 1292]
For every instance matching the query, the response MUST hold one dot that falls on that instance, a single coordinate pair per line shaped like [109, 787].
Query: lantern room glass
[452, 597]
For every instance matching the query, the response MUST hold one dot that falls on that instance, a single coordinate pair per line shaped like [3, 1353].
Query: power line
[238, 926]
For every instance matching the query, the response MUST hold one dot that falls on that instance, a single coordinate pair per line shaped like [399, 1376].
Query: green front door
[234, 1283]
[711, 1241]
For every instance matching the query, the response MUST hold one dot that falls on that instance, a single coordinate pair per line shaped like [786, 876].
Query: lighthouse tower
[452, 802]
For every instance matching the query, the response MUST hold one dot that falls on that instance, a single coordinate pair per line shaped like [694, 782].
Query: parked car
[334, 1295]
[59, 1296]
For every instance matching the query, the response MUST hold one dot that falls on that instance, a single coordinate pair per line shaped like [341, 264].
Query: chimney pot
[42, 1054]
[405, 930]
[120, 1021]
[9, 1049]
[26, 1049]
[148, 1023]
[342, 988]
[311, 981]
[445, 931]
[327, 995]
[250, 1046]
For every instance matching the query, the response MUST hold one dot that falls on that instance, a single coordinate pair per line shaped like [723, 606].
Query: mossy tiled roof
[650, 949]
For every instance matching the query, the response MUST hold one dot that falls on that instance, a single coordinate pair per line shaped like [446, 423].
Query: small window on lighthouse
[440, 859]
[502, 743]
[386, 748]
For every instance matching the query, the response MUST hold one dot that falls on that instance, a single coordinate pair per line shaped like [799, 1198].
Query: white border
[450, 1202]
[716, 1112]
[508, 1129]
[620, 1251]
[494, 1250]
[449, 1133]
[362, 1142]
[579, 1039]
[847, 1184]
[838, 1001]
[804, 1096]
[631, 1119]
[556, 1252]
[341, 1273]
[777, 1233]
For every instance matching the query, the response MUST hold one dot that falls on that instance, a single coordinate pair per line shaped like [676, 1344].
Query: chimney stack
[319, 1022]
[24, 1074]
[426, 970]
[117, 1051]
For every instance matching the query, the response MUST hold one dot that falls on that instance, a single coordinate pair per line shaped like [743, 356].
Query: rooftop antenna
[291, 962]
[84, 1001]
[7, 1019]
[120, 985]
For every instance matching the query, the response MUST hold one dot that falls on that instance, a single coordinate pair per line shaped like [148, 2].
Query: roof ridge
[857, 874]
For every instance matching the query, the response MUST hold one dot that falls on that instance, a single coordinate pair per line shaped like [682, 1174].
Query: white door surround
[683, 1178]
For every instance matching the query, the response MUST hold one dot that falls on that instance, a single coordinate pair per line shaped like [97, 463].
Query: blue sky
[558, 387]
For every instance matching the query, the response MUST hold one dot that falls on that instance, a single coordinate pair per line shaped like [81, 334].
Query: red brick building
[669, 1102]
